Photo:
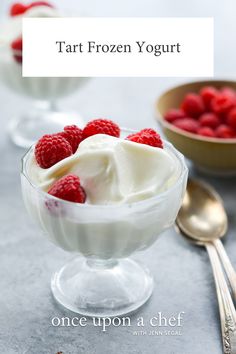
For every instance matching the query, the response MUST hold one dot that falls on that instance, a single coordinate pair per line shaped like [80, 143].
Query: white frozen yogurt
[112, 170]
[42, 88]
[115, 173]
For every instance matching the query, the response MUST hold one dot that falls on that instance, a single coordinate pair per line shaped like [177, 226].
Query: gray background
[182, 272]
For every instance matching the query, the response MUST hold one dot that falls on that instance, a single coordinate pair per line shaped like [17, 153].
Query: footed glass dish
[43, 117]
[102, 280]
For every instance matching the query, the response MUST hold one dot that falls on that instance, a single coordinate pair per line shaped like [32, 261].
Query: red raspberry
[223, 102]
[206, 131]
[208, 93]
[209, 120]
[224, 132]
[17, 9]
[231, 118]
[188, 124]
[148, 137]
[174, 114]
[193, 105]
[39, 3]
[146, 130]
[51, 149]
[101, 126]
[68, 188]
[17, 46]
[228, 91]
[149, 131]
[73, 135]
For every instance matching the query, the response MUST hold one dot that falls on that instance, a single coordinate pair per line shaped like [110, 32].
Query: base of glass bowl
[100, 288]
[26, 129]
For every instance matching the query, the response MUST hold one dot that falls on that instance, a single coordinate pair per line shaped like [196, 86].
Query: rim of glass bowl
[182, 173]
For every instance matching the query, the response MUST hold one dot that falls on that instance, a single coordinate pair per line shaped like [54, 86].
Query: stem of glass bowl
[101, 264]
[46, 106]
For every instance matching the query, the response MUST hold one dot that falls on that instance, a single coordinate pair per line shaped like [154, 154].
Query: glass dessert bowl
[101, 280]
[44, 116]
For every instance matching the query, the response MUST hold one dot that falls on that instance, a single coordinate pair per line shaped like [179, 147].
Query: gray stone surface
[183, 278]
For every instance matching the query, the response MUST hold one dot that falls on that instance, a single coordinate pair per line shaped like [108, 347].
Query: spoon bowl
[202, 215]
[202, 219]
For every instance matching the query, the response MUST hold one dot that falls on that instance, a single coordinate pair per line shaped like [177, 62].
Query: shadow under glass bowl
[104, 282]
[211, 155]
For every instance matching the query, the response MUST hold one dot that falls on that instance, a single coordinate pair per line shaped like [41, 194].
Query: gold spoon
[226, 306]
[202, 217]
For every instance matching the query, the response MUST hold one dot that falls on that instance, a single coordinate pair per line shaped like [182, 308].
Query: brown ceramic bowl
[213, 155]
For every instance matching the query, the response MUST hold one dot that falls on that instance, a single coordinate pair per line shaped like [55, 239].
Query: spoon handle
[226, 306]
[229, 269]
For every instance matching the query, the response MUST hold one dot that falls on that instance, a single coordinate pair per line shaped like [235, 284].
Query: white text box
[118, 47]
